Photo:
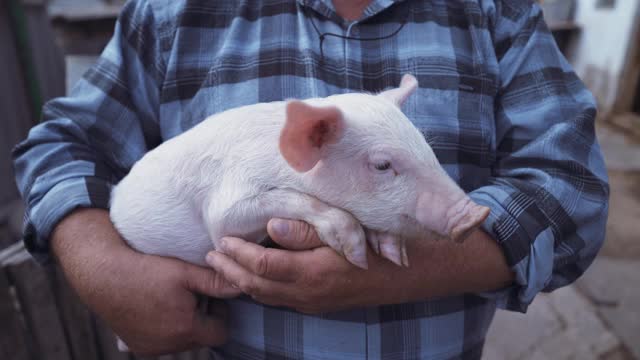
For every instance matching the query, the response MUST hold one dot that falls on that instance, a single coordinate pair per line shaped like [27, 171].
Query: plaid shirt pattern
[502, 109]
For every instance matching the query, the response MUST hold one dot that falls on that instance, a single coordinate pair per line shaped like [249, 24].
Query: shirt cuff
[508, 226]
[42, 216]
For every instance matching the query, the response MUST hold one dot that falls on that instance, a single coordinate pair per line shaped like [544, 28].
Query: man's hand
[319, 280]
[310, 281]
[149, 301]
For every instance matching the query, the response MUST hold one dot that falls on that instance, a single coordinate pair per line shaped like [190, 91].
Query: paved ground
[599, 316]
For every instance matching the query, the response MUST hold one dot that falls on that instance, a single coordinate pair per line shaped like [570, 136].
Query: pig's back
[242, 149]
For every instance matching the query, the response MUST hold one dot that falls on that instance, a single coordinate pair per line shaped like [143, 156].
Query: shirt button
[355, 31]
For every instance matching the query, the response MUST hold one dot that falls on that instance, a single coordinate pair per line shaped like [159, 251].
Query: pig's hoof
[389, 246]
[343, 233]
[354, 248]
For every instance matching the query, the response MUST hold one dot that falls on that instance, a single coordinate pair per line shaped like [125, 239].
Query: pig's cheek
[373, 181]
[359, 174]
[390, 188]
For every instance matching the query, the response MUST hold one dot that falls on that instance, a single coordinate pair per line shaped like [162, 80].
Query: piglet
[338, 163]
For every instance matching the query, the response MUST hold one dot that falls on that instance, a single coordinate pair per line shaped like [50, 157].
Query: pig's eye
[383, 166]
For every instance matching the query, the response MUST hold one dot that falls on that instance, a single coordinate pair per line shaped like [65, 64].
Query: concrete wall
[602, 49]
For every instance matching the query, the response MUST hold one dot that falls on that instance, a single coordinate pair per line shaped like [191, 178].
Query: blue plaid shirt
[505, 114]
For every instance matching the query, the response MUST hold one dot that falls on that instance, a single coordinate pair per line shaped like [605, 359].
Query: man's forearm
[84, 229]
[446, 268]
[81, 233]
[87, 246]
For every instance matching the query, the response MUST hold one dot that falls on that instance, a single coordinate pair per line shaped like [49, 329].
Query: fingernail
[280, 228]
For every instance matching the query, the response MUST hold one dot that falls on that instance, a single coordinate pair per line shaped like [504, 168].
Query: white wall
[601, 49]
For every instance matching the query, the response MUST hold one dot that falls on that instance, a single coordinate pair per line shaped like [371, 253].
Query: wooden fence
[32, 70]
[42, 319]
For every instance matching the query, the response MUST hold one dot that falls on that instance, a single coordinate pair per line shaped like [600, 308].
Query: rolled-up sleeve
[548, 192]
[89, 140]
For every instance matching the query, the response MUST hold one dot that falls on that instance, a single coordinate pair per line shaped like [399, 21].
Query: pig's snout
[455, 219]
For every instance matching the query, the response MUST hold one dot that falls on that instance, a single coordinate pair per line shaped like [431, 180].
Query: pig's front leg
[390, 246]
[335, 227]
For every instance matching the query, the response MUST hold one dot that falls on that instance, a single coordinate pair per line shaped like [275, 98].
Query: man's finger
[207, 282]
[293, 234]
[274, 264]
[244, 279]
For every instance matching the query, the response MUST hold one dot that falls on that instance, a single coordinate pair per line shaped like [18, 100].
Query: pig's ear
[306, 132]
[408, 85]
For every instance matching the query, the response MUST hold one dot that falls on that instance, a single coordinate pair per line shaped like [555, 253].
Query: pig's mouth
[411, 229]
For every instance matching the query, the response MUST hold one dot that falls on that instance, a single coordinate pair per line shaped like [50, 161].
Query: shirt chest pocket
[455, 113]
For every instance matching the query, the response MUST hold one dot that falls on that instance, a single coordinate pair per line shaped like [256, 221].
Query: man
[505, 115]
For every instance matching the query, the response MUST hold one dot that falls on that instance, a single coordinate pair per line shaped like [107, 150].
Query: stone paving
[599, 316]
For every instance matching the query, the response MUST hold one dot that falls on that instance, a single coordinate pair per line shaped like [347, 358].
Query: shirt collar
[325, 8]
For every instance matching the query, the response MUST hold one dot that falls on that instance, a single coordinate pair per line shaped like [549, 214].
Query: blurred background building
[47, 45]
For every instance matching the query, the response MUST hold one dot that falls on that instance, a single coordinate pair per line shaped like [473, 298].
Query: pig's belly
[172, 227]
[172, 231]
[186, 239]
[191, 247]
